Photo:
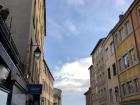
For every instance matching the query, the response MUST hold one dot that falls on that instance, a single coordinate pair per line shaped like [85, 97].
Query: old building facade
[111, 71]
[121, 61]
[25, 28]
[48, 90]
[88, 96]
[98, 81]
[57, 96]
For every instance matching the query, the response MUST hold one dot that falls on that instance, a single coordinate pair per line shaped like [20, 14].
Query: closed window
[128, 27]
[136, 85]
[130, 87]
[139, 13]
[112, 47]
[111, 95]
[126, 60]
[123, 89]
[121, 34]
[132, 56]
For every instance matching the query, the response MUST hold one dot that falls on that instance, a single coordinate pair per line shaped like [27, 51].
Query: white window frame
[138, 9]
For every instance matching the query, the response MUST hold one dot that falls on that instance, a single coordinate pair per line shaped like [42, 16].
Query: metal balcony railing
[5, 29]
[9, 45]
[7, 41]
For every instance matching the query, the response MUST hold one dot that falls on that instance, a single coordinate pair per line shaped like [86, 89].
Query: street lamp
[37, 52]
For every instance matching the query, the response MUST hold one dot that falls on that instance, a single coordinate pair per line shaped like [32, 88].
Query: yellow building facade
[127, 59]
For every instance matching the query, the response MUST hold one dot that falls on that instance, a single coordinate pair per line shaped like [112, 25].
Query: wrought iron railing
[8, 41]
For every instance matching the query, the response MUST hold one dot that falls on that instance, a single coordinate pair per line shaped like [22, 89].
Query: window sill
[131, 95]
[124, 70]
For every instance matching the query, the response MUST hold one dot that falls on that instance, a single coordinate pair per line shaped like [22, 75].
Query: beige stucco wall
[109, 60]
[98, 87]
[47, 80]
[57, 96]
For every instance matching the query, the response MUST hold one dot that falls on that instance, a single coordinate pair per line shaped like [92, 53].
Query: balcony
[9, 45]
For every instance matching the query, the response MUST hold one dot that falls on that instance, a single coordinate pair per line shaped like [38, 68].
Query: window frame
[114, 71]
[109, 73]
[138, 13]
[126, 62]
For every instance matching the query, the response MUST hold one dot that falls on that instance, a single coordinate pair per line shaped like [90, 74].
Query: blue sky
[73, 29]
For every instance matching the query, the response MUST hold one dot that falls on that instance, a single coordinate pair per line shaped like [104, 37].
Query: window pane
[128, 27]
[126, 60]
[110, 95]
[124, 92]
[112, 47]
[136, 85]
[132, 56]
[122, 34]
[139, 13]
[3, 98]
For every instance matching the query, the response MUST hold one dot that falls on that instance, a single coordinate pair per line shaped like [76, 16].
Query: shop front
[12, 84]
[34, 91]
[12, 77]
[3, 96]
[6, 66]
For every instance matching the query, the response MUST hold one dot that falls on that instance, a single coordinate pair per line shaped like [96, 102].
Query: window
[44, 85]
[132, 56]
[123, 87]
[112, 47]
[117, 93]
[128, 27]
[110, 95]
[3, 97]
[114, 69]
[126, 60]
[109, 73]
[106, 52]
[130, 87]
[136, 84]
[121, 34]
[139, 13]
[120, 64]
[115, 39]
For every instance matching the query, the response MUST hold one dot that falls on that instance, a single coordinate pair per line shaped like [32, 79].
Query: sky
[73, 29]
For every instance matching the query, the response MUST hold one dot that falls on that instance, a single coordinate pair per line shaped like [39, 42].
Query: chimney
[121, 16]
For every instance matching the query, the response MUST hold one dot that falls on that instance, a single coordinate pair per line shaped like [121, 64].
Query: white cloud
[59, 31]
[71, 27]
[76, 2]
[73, 77]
